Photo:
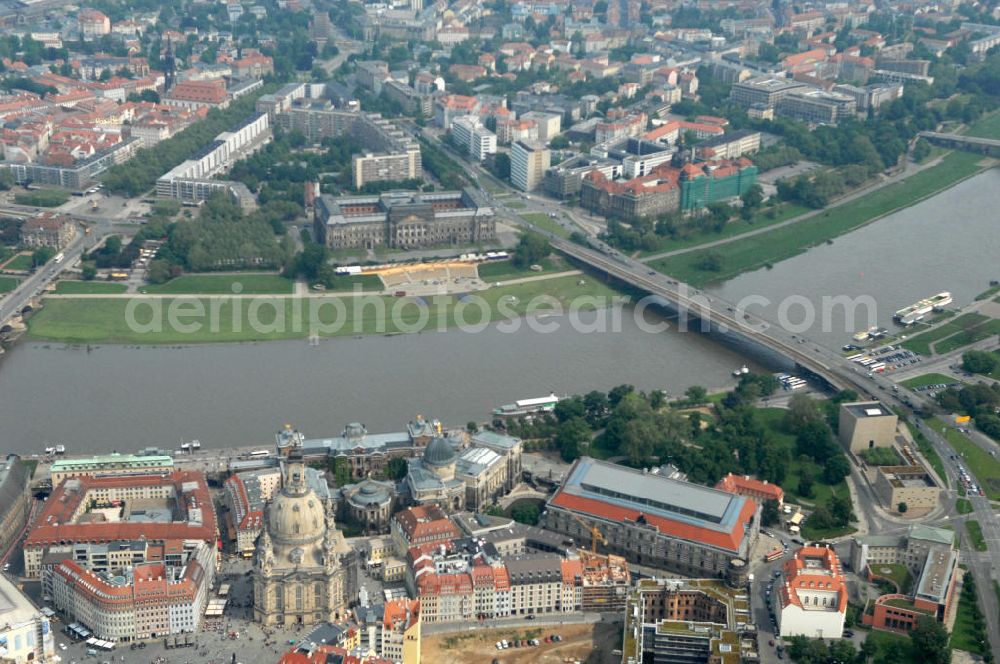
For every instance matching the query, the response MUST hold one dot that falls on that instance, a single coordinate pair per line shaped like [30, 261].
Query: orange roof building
[148, 600]
[195, 94]
[745, 485]
[812, 600]
[653, 520]
[69, 515]
[401, 623]
[423, 524]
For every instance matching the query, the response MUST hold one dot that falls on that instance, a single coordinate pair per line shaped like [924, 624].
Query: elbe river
[125, 397]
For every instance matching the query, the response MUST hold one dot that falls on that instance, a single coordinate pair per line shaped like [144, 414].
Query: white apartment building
[470, 134]
[812, 599]
[528, 163]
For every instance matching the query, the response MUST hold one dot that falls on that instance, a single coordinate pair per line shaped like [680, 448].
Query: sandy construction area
[592, 643]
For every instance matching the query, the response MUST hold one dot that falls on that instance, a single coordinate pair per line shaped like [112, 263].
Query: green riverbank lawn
[19, 262]
[782, 212]
[89, 288]
[921, 343]
[107, 320]
[964, 327]
[502, 270]
[987, 127]
[929, 379]
[781, 243]
[211, 284]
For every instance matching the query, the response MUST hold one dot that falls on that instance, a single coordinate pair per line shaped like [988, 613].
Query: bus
[774, 554]
[260, 454]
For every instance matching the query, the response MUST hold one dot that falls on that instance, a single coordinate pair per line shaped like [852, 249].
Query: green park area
[975, 532]
[924, 380]
[105, 320]
[986, 127]
[365, 282]
[42, 197]
[223, 284]
[88, 288]
[19, 262]
[956, 331]
[963, 506]
[7, 284]
[819, 493]
[764, 218]
[501, 270]
[896, 573]
[980, 463]
[724, 262]
[546, 223]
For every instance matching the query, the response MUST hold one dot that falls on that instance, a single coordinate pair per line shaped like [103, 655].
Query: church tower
[170, 64]
[302, 570]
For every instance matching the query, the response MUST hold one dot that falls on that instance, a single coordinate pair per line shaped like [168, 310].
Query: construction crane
[595, 533]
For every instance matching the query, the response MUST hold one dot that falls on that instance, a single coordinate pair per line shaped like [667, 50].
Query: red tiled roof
[425, 523]
[742, 484]
[56, 521]
[828, 578]
[724, 540]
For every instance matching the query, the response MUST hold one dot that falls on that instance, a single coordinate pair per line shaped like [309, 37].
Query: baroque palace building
[302, 573]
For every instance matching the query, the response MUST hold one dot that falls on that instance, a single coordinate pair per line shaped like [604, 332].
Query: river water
[127, 398]
[950, 242]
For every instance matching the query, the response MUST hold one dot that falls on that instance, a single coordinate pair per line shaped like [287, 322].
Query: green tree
[341, 469]
[531, 249]
[840, 510]
[929, 641]
[805, 483]
[710, 262]
[842, 651]
[753, 197]
[596, 406]
[901, 508]
[501, 165]
[696, 394]
[158, 272]
[801, 411]
[395, 468]
[88, 272]
[813, 440]
[527, 513]
[567, 409]
[472, 427]
[835, 469]
[771, 513]
[559, 142]
[41, 256]
[570, 436]
[980, 362]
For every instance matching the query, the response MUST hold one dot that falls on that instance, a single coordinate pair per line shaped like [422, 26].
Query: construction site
[596, 643]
